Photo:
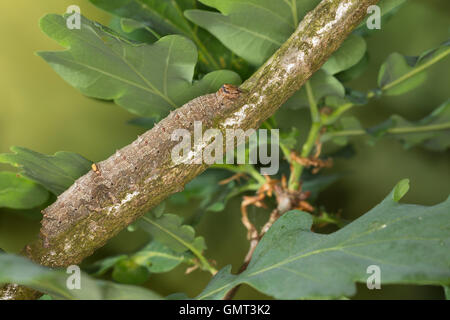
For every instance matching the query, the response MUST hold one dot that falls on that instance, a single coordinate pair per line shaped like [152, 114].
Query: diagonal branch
[136, 178]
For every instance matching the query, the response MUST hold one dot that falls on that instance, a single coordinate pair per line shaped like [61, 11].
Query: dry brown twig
[313, 161]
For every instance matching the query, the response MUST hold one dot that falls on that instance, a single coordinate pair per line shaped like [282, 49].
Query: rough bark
[139, 176]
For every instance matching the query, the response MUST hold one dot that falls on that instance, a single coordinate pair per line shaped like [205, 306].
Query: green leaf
[146, 79]
[146, 123]
[206, 188]
[137, 268]
[447, 292]
[432, 132]
[55, 173]
[398, 67]
[409, 243]
[128, 271]
[99, 268]
[347, 124]
[159, 258]
[161, 18]
[400, 74]
[17, 192]
[322, 84]
[253, 29]
[400, 190]
[348, 55]
[164, 17]
[356, 71]
[170, 231]
[15, 269]
[388, 9]
[132, 30]
[352, 97]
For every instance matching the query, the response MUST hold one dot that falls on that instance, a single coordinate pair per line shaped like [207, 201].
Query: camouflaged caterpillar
[152, 154]
[229, 91]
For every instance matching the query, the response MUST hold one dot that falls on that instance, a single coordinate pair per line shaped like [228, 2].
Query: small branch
[392, 131]
[327, 120]
[316, 126]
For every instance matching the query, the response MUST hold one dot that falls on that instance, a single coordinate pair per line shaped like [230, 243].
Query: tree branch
[139, 176]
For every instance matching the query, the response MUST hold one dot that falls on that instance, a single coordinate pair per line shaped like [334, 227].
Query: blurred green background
[38, 110]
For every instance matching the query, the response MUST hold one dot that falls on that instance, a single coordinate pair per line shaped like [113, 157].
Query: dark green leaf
[432, 132]
[17, 192]
[128, 271]
[55, 173]
[388, 8]
[400, 74]
[15, 269]
[290, 139]
[253, 29]
[409, 243]
[160, 18]
[347, 124]
[132, 30]
[318, 184]
[348, 55]
[159, 258]
[136, 268]
[397, 68]
[354, 72]
[101, 267]
[170, 231]
[322, 85]
[146, 123]
[206, 188]
[164, 17]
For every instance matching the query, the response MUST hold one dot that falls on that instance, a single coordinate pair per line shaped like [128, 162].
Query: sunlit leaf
[17, 192]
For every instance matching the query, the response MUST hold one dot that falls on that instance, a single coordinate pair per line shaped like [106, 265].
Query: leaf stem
[401, 130]
[314, 131]
[283, 147]
[245, 168]
[203, 261]
[337, 113]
